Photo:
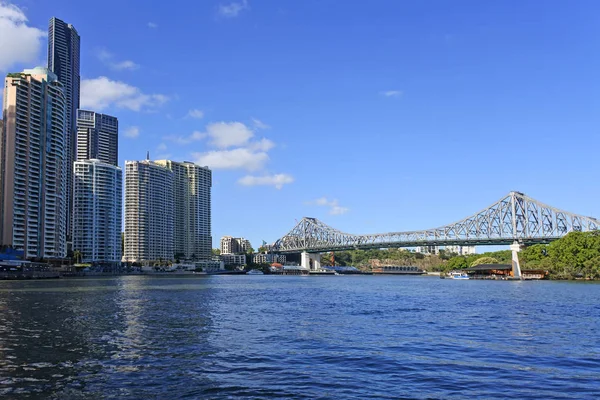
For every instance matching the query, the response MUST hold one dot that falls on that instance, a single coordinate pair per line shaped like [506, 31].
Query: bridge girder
[514, 218]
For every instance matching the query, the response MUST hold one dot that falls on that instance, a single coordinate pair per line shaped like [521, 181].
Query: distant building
[231, 245]
[428, 249]
[234, 259]
[33, 165]
[63, 60]
[192, 207]
[97, 137]
[268, 258]
[149, 212]
[97, 211]
[461, 250]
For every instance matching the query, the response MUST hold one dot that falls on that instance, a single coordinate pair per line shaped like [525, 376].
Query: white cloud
[229, 134]
[334, 206]
[232, 159]
[233, 9]
[195, 113]
[132, 132]
[100, 93]
[391, 93]
[127, 64]
[258, 124]
[262, 145]
[277, 180]
[195, 136]
[19, 43]
[152, 25]
[161, 147]
[109, 59]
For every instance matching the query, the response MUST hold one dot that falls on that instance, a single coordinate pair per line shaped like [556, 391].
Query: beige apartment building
[33, 165]
[149, 212]
[192, 209]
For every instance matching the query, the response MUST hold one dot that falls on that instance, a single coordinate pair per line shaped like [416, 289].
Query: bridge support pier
[310, 261]
[516, 247]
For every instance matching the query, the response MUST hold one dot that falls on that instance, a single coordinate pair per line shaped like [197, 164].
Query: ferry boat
[458, 275]
[254, 272]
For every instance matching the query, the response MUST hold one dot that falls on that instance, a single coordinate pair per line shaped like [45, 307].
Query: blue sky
[371, 116]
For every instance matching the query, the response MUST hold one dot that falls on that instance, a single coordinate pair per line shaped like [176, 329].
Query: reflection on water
[297, 337]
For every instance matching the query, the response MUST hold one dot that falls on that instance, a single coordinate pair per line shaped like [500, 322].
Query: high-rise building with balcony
[33, 164]
[97, 211]
[192, 205]
[63, 60]
[149, 212]
[97, 137]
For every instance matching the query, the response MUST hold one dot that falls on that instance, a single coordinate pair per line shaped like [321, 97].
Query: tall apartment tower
[191, 197]
[63, 60]
[97, 137]
[98, 211]
[33, 167]
[149, 212]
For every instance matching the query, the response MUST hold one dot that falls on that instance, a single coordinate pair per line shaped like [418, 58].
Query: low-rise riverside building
[233, 259]
[268, 258]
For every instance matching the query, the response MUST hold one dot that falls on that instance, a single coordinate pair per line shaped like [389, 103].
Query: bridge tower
[311, 261]
[516, 247]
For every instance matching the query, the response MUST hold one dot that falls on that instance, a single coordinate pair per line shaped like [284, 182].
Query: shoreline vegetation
[573, 257]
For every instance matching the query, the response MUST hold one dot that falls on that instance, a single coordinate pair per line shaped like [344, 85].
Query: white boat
[458, 275]
[254, 272]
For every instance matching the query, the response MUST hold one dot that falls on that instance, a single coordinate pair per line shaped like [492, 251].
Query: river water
[262, 337]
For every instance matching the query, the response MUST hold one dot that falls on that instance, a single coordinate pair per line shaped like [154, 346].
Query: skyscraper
[192, 200]
[63, 60]
[149, 212]
[97, 212]
[33, 169]
[97, 137]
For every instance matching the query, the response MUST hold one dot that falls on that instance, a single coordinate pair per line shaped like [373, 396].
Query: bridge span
[516, 219]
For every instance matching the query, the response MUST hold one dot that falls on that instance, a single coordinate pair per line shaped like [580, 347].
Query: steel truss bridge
[515, 218]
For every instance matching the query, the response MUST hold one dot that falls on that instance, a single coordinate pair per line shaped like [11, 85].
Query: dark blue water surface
[260, 337]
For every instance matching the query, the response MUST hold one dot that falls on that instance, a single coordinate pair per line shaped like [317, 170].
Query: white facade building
[461, 250]
[192, 209]
[97, 211]
[233, 245]
[428, 249]
[234, 259]
[149, 212]
[262, 258]
[33, 165]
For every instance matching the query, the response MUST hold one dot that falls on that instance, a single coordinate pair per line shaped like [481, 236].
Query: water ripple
[293, 337]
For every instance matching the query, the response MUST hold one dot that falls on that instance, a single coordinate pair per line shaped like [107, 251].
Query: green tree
[484, 260]
[458, 262]
[77, 256]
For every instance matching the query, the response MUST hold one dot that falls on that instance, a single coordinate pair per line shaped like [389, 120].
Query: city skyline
[369, 123]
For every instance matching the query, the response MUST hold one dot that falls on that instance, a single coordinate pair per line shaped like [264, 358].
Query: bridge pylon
[310, 261]
[516, 247]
